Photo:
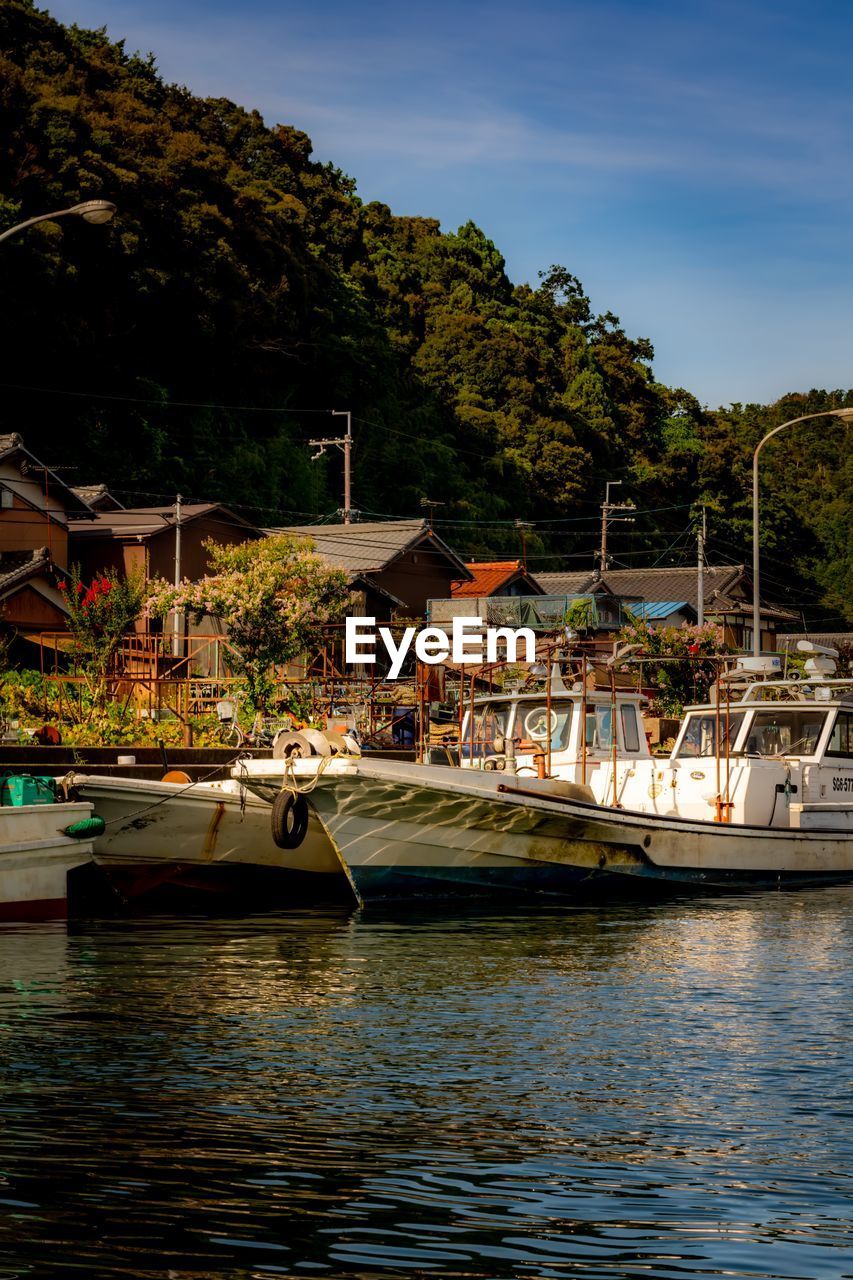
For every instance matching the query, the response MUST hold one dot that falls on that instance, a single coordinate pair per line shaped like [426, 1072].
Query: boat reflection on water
[473, 1093]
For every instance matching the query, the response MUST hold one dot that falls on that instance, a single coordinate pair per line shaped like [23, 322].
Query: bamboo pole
[548, 709]
[613, 734]
[583, 718]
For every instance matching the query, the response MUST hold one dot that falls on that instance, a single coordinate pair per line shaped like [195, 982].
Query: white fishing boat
[426, 829]
[37, 856]
[174, 839]
[758, 792]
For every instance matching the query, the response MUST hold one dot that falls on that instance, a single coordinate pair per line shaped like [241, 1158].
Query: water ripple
[662, 1092]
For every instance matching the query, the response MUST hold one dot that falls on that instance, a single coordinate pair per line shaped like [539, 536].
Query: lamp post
[844, 414]
[95, 211]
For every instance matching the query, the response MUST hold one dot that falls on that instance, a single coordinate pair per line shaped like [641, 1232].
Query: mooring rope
[68, 781]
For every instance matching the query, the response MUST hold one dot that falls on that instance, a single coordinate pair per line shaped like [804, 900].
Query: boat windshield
[535, 724]
[491, 722]
[700, 734]
[784, 731]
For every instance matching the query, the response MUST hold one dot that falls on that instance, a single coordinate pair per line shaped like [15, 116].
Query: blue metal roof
[656, 608]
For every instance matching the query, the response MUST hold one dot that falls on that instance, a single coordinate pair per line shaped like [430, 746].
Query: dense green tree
[242, 273]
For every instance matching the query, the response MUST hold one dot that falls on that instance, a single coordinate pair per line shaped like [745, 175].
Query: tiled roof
[17, 567]
[488, 577]
[98, 497]
[725, 590]
[12, 442]
[566, 584]
[679, 584]
[142, 522]
[832, 639]
[370, 547]
[648, 584]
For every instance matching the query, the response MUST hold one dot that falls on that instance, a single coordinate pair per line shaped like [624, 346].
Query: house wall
[737, 633]
[110, 555]
[195, 560]
[416, 577]
[154, 555]
[28, 610]
[33, 520]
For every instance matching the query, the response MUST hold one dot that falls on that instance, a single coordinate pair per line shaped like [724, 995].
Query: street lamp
[844, 414]
[96, 211]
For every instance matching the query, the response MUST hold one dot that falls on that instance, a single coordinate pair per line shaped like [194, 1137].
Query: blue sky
[689, 161]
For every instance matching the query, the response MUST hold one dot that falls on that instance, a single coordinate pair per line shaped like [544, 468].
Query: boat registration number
[844, 783]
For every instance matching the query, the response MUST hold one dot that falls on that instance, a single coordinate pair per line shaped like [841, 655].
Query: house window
[7, 498]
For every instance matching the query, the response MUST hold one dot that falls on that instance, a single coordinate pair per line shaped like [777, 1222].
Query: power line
[162, 404]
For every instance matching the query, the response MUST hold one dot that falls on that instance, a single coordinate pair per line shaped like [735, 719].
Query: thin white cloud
[693, 166]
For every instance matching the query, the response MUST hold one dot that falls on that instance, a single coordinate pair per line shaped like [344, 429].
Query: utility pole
[176, 620]
[522, 526]
[343, 442]
[607, 510]
[701, 534]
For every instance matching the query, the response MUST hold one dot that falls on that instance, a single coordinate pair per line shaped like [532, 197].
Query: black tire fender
[289, 820]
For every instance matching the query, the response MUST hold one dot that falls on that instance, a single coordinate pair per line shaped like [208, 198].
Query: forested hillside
[243, 285]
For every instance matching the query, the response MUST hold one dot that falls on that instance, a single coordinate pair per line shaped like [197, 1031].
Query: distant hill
[242, 273]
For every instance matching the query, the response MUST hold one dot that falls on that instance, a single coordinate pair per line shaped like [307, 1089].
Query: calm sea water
[655, 1091]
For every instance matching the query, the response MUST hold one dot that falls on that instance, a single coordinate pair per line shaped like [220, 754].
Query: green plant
[100, 613]
[580, 615]
[275, 596]
[681, 662]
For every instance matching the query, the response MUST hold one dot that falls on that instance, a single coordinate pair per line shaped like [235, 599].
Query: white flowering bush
[275, 596]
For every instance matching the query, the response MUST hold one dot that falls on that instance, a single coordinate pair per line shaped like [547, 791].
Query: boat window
[841, 741]
[533, 722]
[630, 731]
[784, 732]
[599, 728]
[490, 723]
[700, 734]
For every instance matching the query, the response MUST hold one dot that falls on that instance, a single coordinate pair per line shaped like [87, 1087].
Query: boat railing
[811, 689]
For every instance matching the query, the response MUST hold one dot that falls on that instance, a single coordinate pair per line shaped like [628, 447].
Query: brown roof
[489, 577]
[832, 639]
[567, 584]
[145, 522]
[12, 445]
[726, 590]
[19, 567]
[372, 546]
[98, 497]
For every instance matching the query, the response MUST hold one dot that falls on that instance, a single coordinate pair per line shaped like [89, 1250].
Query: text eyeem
[465, 642]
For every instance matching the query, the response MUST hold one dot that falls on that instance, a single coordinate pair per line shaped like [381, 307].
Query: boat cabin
[528, 734]
[779, 756]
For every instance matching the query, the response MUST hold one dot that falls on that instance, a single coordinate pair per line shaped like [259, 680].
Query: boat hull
[405, 830]
[36, 859]
[167, 843]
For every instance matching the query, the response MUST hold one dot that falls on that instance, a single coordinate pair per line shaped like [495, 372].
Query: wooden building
[35, 504]
[394, 566]
[142, 539]
[496, 578]
[36, 510]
